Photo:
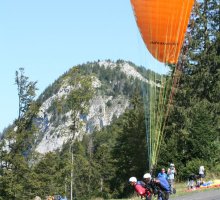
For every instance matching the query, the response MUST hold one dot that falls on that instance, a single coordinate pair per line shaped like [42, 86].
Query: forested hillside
[99, 164]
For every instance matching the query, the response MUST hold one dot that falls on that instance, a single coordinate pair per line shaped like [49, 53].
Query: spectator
[192, 179]
[201, 174]
[162, 174]
[171, 172]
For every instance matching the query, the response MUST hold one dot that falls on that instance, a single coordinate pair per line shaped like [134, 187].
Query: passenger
[139, 187]
[37, 198]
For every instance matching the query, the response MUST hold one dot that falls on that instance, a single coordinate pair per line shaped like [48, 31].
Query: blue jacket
[164, 175]
[164, 184]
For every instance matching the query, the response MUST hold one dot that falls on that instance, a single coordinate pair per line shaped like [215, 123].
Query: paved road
[203, 195]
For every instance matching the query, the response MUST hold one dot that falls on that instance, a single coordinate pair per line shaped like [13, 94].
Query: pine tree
[78, 102]
[26, 91]
[130, 150]
[16, 145]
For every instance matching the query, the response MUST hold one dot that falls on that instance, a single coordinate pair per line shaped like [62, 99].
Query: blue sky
[47, 38]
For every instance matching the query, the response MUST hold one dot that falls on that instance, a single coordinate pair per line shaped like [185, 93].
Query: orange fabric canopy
[163, 24]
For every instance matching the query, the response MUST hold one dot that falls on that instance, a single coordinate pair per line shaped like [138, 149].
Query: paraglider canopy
[163, 24]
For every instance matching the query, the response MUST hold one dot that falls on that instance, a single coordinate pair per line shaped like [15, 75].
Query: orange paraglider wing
[163, 24]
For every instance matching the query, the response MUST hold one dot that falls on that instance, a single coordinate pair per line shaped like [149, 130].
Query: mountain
[114, 84]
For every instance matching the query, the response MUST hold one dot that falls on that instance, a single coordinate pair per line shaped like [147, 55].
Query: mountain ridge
[114, 84]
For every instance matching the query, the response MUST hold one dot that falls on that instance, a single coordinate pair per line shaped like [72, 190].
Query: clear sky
[47, 37]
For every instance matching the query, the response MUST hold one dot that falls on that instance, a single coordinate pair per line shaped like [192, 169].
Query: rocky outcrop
[103, 108]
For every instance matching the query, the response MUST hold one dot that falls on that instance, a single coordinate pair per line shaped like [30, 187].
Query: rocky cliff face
[103, 108]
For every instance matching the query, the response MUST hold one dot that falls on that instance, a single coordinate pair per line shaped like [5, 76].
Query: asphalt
[202, 195]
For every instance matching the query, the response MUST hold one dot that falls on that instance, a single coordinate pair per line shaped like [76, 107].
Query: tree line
[100, 164]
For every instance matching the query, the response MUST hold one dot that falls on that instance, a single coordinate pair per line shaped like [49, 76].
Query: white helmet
[133, 179]
[147, 175]
[171, 165]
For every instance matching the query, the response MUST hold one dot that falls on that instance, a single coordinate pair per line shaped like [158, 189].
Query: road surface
[202, 195]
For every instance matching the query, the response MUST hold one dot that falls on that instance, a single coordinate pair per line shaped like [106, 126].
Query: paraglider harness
[142, 190]
[158, 187]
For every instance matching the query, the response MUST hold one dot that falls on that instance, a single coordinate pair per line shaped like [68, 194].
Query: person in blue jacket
[162, 173]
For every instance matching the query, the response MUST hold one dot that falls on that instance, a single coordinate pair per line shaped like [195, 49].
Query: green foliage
[129, 152]
[15, 173]
[103, 162]
[48, 175]
[192, 167]
[192, 131]
[26, 91]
